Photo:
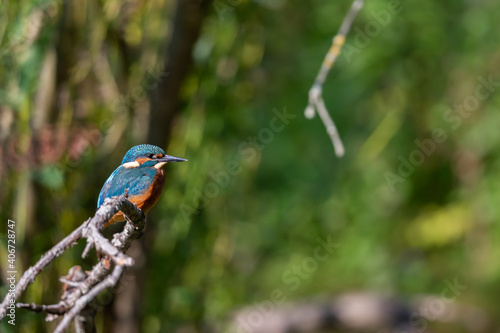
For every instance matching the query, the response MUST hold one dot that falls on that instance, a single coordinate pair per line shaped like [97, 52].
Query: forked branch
[316, 103]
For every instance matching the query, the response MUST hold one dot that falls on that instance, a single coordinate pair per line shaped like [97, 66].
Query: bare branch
[80, 287]
[316, 103]
[53, 309]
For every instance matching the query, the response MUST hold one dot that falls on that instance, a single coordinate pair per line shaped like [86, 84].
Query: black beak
[170, 159]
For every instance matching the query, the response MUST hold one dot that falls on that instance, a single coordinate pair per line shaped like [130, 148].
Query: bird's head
[148, 156]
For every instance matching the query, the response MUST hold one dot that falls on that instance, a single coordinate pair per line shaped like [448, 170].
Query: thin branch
[316, 103]
[53, 309]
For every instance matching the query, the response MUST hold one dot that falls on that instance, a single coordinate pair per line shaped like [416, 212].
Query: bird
[140, 175]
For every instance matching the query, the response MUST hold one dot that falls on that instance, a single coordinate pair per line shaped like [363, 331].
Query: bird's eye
[151, 155]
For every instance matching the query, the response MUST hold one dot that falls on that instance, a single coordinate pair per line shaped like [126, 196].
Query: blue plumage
[141, 174]
[136, 180]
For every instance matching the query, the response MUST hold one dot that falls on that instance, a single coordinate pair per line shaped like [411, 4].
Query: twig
[82, 287]
[316, 103]
[53, 309]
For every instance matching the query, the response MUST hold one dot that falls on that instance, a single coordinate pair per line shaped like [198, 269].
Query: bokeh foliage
[68, 114]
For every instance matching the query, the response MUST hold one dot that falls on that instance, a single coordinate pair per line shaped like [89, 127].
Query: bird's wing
[105, 188]
[135, 180]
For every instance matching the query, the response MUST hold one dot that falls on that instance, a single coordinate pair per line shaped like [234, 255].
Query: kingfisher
[141, 174]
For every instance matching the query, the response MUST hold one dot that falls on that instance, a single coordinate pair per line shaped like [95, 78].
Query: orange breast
[144, 201]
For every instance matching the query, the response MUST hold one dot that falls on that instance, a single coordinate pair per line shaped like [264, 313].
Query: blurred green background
[83, 81]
